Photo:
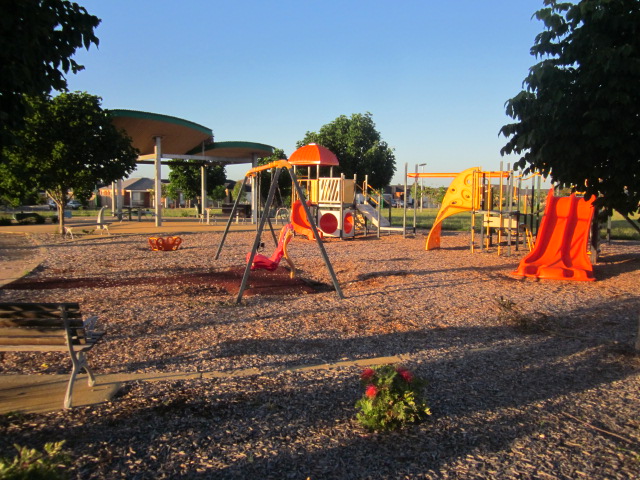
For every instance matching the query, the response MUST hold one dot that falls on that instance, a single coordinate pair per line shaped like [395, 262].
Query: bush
[26, 218]
[392, 398]
[5, 222]
[32, 464]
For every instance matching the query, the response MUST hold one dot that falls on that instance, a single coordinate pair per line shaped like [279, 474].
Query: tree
[37, 40]
[184, 176]
[358, 146]
[68, 143]
[578, 119]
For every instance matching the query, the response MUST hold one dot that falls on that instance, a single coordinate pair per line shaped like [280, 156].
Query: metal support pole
[316, 234]
[415, 190]
[256, 242]
[203, 189]
[404, 206]
[158, 181]
[233, 212]
[255, 205]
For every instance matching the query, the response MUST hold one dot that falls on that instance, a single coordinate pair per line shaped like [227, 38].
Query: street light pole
[421, 186]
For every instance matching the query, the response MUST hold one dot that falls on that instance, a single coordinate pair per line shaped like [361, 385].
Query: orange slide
[560, 251]
[300, 221]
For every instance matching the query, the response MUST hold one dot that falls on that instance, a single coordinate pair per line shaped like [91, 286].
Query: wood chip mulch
[526, 379]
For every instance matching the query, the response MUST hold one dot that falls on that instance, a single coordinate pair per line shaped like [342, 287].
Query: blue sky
[434, 74]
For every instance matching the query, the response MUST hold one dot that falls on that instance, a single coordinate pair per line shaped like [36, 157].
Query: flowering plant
[391, 398]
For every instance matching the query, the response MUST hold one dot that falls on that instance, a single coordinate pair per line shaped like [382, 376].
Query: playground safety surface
[527, 379]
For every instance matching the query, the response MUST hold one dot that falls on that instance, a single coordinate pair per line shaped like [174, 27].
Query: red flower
[406, 375]
[371, 391]
[367, 374]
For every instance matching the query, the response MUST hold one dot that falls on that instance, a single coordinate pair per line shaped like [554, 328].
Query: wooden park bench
[100, 225]
[50, 327]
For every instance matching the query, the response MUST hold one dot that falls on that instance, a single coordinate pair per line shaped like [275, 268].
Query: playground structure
[271, 263]
[560, 252]
[278, 166]
[497, 198]
[330, 199]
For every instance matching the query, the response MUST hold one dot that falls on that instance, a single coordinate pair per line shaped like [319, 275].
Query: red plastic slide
[560, 251]
[300, 221]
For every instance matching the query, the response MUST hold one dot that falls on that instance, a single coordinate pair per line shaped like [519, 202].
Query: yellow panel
[459, 198]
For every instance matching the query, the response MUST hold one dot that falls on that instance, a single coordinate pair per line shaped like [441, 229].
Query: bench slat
[78, 335]
[42, 310]
[37, 322]
[45, 348]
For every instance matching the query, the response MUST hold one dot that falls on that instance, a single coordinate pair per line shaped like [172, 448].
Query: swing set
[256, 260]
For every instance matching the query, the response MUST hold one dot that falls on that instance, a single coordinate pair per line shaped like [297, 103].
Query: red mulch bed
[261, 282]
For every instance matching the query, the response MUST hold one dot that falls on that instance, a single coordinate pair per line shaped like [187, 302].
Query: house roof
[138, 184]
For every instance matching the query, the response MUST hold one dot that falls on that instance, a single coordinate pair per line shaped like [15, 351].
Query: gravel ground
[527, 379]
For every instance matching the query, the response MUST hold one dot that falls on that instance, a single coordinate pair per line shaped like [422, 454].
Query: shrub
[32, 464]
[392, 398]
[5, 222]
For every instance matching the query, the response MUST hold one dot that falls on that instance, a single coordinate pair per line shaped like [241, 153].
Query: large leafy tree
[578, 117]
[358, 146]
[68, 143]
[184, 177]
[37, 41]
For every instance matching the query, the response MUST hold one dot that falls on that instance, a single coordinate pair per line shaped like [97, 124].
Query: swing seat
[262, 262]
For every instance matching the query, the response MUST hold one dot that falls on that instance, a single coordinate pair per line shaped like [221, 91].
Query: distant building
[136, 192]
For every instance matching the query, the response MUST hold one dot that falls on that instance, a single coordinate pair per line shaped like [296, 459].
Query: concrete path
[45, 393]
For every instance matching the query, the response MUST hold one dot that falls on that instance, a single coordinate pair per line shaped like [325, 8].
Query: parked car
[71, 204]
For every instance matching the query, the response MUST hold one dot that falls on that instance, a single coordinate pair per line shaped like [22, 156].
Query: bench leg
[79, 362]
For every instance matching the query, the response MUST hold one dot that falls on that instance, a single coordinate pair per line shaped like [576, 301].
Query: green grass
[620, 228]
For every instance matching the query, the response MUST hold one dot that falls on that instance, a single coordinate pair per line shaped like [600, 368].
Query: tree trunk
[61, 219]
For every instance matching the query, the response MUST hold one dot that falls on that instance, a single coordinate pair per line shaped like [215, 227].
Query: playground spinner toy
[164, 244]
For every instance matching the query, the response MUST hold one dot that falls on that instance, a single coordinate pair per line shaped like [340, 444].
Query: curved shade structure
[178, 135]
[233, 152]
[313, 154]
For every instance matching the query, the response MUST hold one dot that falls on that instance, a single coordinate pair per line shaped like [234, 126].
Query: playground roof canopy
[182, 139]
[313, 154]
[178, 135]
[233, 152]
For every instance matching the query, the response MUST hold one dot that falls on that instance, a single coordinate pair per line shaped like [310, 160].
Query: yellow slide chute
[459, 198]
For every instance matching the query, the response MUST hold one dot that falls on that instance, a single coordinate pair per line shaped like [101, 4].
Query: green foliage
[5, 221]
[358, 146]
[30, 217]
[184, 176]
[30, 464]
[237, 191]
[578, 118]
[37, 41]
[392, 398]
[68, 143]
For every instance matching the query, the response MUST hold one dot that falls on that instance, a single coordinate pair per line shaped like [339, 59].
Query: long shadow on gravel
[299, 425]
[488, 388]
